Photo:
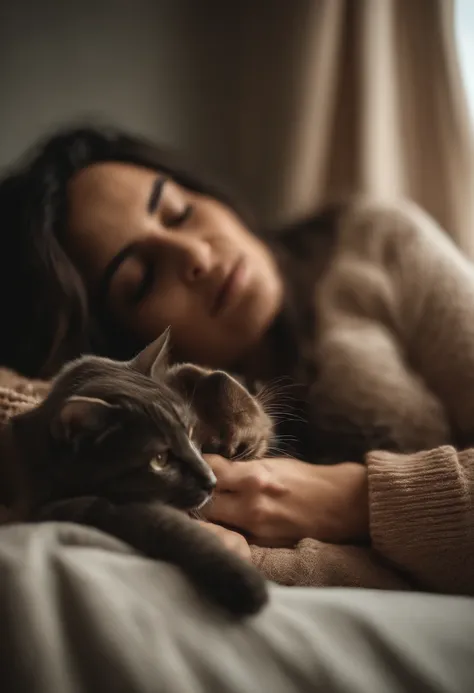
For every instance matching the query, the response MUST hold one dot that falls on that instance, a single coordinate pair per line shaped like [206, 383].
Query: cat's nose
[210, 482]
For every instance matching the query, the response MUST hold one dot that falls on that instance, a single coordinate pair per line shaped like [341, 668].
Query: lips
[229, 288]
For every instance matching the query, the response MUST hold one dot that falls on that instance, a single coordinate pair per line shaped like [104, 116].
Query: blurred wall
[127, 61]
[202, 76]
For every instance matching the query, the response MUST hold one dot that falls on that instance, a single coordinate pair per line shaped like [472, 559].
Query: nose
[193, 257]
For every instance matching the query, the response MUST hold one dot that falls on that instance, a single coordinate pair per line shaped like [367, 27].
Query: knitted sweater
[382, 322]
[421, 528]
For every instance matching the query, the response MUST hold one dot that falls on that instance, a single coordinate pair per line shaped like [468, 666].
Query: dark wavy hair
[45, 315]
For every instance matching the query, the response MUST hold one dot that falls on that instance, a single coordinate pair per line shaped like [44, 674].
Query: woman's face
[157, 254]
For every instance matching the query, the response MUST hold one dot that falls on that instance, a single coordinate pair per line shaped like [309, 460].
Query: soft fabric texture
[383, 316]
[421, 526]
[81, 613]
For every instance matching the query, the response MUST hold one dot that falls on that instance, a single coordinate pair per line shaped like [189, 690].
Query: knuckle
[257, 480]
[210, 457]
[235, 542]
[239, 541]
[258, 515]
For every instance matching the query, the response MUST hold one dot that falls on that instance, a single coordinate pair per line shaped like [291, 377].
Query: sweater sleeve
[422, 516]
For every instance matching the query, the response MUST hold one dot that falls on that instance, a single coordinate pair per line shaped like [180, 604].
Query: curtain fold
[327, 97]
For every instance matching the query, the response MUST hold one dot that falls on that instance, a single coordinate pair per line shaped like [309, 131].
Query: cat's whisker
[288, 441]
[286, 436]
[291, 417]
[284, 391]
[253, 453]
[277, 420]
[278, 452]
[276, 414]
[282, 381]
[241, 456]
[284, 439]
[283, 443]
[280, 405]
[269, 391]
[196, 514]
[276, 400]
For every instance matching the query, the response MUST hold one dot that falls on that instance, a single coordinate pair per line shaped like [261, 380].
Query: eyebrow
[122, 255]
[155, 195]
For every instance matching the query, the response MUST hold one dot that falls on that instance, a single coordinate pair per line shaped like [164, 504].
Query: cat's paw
[246, 436]
[238, 588]
[249, 440]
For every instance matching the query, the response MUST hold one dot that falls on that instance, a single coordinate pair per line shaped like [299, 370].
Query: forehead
[107, 211]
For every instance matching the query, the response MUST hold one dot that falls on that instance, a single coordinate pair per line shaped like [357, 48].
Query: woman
[107, 242]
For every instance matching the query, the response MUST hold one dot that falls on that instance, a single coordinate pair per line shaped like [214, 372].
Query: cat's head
[116, 429]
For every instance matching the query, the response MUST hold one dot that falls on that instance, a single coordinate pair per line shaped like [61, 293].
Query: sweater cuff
[419, 505]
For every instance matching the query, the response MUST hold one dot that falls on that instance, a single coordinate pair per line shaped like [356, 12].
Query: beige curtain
[308, 99]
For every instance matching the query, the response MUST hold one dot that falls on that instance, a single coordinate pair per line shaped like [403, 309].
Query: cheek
[223, 228]
[167, 307]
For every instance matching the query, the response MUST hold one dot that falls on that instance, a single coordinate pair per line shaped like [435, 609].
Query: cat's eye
[158, 462]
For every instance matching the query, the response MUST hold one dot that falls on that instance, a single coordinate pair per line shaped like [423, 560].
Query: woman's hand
[278, 501]
[233, 541]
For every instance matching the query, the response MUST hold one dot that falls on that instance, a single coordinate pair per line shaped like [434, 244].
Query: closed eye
[174, 221]
[149, 276]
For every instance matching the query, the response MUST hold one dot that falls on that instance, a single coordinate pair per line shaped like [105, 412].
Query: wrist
[355, 501]
[342, 516]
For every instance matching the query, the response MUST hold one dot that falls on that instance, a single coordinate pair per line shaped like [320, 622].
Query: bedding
[80, 612]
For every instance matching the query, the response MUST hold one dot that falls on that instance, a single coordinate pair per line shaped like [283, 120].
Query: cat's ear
[81, 415]
[154, 359]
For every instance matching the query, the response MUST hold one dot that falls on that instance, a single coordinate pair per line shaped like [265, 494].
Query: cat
[117, 446]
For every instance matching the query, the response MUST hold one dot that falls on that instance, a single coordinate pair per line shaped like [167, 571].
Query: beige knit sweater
[421, 520]
[421, 527]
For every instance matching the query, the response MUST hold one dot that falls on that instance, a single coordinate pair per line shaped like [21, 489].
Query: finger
[232, 540]
[227, 509]
[231, 476]
[221, 468]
